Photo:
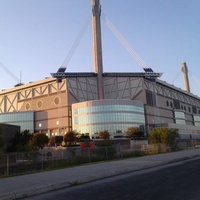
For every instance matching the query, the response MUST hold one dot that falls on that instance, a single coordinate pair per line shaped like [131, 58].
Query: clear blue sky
[36, 36]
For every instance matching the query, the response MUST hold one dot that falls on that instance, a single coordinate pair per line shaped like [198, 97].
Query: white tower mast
[97, 45]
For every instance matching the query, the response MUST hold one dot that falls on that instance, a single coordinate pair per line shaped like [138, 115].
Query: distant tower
[185, 77]
[97, 46]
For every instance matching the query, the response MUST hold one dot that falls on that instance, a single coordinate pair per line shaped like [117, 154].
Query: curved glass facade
[112, 115]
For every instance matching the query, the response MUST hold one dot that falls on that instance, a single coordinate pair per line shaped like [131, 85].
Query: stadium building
[92, 102]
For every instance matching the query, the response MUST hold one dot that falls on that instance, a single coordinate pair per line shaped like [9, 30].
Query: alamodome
[92, 102]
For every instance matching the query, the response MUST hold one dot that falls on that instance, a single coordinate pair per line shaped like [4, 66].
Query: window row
[19, 117]
[108, 117]
[176, 104]
[25, 120]
[39, 104]
[108, 108]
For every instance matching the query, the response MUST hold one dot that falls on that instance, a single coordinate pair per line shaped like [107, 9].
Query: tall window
[151, 98]
[194, 109]
[179, 117]
[176, 104]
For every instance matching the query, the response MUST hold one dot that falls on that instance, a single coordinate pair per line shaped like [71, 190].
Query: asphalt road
[180, 181]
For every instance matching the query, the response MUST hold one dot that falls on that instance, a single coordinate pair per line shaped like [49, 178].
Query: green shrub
[165, 136]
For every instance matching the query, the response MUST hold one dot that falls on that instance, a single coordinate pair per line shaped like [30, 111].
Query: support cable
[76, 43]
[194, 77]
[175, 77]
[10, 73]
[124, 42]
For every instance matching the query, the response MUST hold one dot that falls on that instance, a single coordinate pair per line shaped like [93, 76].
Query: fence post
[106, 153]
[89, 154]
[120, 152]
[42, 162]
[7, 164]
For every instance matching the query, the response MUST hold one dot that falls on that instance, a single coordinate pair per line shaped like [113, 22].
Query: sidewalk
[32, 184]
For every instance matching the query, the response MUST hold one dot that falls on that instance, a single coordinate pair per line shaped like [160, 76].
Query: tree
[70, 138]
[105, 135]
[164, 135]
[83, 136]
[39, 140]
[20, 141]
[134, 132]
[106, 148]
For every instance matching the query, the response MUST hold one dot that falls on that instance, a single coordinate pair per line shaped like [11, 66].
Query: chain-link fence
[52, 158]
[59, 157]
